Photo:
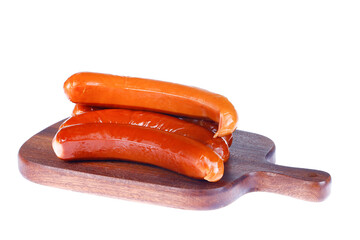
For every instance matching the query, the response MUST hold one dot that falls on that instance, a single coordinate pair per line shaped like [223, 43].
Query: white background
[291, 69]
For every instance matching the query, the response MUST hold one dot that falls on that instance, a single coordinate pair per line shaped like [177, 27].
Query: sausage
[101, 141]
[155, 121]
[110, 91]
[208, 124]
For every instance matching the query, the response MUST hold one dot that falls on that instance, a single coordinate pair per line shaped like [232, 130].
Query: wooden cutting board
[250, 168]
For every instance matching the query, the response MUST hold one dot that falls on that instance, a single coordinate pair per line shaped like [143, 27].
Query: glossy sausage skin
[110, 91]
[100, 141]
[81, 108]
[208, 124]
[155, 121]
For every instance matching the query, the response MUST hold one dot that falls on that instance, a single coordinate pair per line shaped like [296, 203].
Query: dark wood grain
[250, 168]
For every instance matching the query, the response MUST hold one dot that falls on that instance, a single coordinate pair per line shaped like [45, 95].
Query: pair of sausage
[166, 141]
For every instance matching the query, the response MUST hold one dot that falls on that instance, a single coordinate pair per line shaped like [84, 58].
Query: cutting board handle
[307, 184]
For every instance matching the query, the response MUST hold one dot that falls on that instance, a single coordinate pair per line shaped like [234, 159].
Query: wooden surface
[250, 168]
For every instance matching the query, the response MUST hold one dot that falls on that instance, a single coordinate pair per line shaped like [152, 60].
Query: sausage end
[58, 148]
[215, 173]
